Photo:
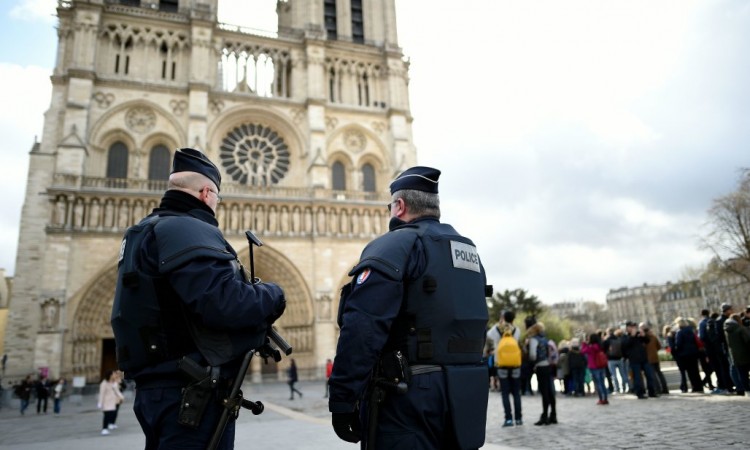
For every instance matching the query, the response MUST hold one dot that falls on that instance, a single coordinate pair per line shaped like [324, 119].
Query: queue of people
[619, 360]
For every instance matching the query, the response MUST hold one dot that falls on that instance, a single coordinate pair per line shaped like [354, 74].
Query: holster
[195, 399]
[392, 375]
[197, 395]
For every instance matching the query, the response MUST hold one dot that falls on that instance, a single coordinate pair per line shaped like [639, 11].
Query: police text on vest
[465, 256]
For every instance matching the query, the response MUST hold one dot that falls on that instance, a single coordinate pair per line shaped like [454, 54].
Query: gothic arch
[90, 325]
[91, 310]
[357, 146]
[297, 322]
[103, 124]
[378, 149]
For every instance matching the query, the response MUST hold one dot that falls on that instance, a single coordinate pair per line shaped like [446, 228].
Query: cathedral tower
[308, 125]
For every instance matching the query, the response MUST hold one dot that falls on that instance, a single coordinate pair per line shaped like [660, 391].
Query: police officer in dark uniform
[183, 302]
[408, 371]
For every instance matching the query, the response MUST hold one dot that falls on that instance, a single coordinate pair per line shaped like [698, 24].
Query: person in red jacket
[329, 369]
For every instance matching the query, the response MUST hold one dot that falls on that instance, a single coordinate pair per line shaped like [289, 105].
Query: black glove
[346, 426]
[280, 305]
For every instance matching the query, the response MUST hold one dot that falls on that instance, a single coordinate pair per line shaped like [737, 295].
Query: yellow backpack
[508, 352]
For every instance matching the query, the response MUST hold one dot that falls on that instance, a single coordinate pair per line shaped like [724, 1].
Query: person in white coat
[109, 397]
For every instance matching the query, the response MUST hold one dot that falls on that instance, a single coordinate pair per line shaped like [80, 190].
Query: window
[158, 163]
[339, 177]
[333, 86]
[168, 5]
[117, 164]
[358, 29]
[329, 14]
[368, 178]
[168, 66]
[122, 57]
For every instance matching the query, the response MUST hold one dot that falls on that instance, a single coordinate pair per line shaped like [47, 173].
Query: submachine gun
[273, 347]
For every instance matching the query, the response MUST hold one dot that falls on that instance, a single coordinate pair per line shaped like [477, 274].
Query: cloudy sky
[581, 142]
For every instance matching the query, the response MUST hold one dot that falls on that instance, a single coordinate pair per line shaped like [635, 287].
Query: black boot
[542, 420]
[552, 419]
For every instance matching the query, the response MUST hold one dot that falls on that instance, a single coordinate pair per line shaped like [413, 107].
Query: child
[563, 370]
[577, 364]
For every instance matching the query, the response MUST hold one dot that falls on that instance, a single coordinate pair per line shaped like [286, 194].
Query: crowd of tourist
[619, 360]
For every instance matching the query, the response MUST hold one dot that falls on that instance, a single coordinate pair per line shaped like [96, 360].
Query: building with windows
[662, 304]
[639, 304]
[308, 124]
[682, 299]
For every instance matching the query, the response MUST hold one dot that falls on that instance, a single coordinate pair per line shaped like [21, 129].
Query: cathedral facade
[308, 126]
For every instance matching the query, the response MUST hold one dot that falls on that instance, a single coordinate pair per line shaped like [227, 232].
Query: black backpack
[541, 349]
[615, 348]
[712, 331]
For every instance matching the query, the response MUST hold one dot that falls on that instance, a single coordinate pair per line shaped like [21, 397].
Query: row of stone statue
[109, 214]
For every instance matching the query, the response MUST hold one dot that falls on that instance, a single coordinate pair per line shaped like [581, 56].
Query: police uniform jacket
[208, 291]
[373, 305]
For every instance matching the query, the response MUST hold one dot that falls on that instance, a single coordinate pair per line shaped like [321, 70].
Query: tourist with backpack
[612, 346]
[508, 362]
[538, 355]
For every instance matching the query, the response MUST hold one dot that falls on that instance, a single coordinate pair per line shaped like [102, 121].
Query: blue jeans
[617, 367]
[510, 385]
[638, 381]
[24, 405]
[601, 389]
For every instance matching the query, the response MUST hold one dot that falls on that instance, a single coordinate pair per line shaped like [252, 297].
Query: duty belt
[419, 369]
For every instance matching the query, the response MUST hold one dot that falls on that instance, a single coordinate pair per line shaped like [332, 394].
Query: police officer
[408, 371]
[183, 301]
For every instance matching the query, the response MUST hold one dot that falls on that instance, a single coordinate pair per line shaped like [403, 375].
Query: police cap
[191, 160]
[418, 178]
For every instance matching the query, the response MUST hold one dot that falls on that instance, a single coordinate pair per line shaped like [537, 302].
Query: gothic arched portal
[92, 340]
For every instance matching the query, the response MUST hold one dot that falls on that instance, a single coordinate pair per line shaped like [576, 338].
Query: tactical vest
[148, 318]
[444, 312]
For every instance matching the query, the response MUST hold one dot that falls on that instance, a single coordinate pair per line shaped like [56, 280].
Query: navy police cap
[191, 160]
[418, 178]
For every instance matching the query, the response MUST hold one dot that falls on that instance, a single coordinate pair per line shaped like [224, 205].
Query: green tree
[519, 301]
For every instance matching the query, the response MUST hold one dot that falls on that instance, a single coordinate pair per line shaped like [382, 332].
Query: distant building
[639, 304]
[583, 311]
[661, 304]
[722, 287]
[683, 299]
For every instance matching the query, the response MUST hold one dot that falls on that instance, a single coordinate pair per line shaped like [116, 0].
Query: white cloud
[26, 95]
[34, 10]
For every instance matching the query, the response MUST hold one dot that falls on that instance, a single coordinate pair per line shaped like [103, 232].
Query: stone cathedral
[308, 124]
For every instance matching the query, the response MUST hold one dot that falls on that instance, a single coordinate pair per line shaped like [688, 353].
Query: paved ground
[683, 421]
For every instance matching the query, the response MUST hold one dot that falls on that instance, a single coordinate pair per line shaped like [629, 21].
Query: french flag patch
[363, 276]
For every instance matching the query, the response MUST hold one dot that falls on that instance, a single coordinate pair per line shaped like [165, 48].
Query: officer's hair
[420, 203]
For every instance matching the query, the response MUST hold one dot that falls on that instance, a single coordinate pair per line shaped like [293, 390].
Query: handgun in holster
[392, 375]
[196, 395]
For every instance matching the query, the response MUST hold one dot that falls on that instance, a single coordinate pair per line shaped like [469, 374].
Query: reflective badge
[122, 250]
[363, 276]
[465, 256]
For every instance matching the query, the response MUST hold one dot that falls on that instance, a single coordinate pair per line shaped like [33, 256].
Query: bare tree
[728, 236]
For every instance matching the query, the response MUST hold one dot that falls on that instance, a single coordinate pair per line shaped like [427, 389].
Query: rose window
[255, 155]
